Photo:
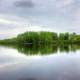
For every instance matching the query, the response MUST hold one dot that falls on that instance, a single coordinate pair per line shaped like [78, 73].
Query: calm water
[40, 63]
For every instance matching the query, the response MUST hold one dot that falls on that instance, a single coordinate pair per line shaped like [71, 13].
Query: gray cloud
[24, 4]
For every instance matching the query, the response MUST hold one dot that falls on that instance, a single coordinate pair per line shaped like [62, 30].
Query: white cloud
[15, 27]
[4, 21]
[67, 2]
[76, 14]
[49, 15]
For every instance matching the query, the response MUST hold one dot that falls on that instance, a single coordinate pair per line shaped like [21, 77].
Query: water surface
[40, 63]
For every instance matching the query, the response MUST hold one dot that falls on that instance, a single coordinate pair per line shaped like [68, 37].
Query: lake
[40, 63]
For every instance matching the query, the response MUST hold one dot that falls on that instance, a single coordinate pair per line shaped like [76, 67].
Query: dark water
[40, 62]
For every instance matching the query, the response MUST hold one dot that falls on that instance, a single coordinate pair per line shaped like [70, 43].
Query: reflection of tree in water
[37, 49]
[68, 48]
[64, 48]
[44, 49]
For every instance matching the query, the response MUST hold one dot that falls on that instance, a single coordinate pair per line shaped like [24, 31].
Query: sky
[18, 16]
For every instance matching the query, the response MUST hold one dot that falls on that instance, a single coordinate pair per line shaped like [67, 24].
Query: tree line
[43, 38]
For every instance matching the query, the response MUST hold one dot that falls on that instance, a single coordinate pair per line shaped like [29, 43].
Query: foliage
[43, 38]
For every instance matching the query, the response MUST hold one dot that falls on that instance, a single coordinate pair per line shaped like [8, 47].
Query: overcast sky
[17, 16]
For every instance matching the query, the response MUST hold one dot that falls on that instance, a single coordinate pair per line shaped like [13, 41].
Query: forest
[43, 38]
